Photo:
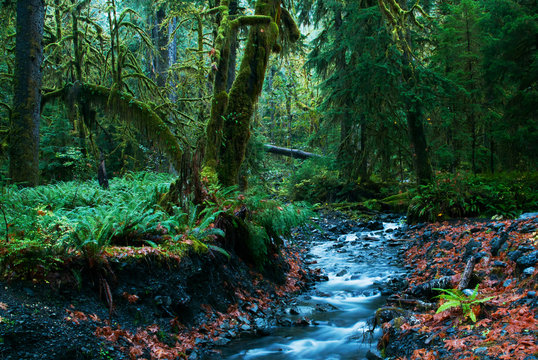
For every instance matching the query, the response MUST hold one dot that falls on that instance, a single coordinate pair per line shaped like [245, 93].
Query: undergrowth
[46, 226]
[467, 195]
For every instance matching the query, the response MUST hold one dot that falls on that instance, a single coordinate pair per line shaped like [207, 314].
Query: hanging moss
[128, 109]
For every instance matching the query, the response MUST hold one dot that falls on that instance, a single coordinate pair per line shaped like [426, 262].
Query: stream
[333, 315]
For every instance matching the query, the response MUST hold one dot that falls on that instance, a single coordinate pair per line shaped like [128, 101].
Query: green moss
[128, 109]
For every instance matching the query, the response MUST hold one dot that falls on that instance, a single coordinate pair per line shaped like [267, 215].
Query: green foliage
[269, 221]
[464, 195]
[456, 299]
[66, 218]
[317, 180]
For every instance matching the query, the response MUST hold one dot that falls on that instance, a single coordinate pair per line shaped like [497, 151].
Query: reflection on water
[339, 308]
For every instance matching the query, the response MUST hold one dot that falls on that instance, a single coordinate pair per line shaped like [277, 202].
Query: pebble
[531, 294]
[507, 282]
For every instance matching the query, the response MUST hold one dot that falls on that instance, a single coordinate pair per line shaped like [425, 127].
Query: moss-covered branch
[128, 109]
[250, 21]
[290, 25]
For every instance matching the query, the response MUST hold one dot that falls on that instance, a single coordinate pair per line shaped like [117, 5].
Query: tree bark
[24, 134]
[161, 62]
[421, 158]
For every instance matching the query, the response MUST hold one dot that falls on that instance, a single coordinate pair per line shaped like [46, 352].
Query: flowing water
[357, 264]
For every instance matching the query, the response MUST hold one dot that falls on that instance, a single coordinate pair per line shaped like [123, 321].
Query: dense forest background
[388, 92]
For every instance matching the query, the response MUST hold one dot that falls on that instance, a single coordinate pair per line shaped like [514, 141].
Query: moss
[215, 127]
[128, 109]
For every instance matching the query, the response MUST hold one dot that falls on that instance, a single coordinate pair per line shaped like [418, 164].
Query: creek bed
[331, 320]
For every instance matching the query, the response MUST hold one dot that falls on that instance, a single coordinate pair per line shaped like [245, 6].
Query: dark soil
[148, 306]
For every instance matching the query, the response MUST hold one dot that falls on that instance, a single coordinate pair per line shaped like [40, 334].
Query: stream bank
[144, 305]
[506, 254]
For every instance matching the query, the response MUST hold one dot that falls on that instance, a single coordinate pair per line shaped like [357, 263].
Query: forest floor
[144, 305]
[506, 325]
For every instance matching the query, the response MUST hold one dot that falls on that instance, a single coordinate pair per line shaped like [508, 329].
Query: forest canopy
[385, 90]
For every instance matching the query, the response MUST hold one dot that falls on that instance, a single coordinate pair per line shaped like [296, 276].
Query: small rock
[499, 263]
[531, 294]
[293, 311]
[528, 271]
[467, 292]
[253, 308]
[507, 282]
[245, 327]
[481, 350]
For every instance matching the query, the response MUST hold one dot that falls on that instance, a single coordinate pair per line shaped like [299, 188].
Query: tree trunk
[244, 93]
[161, 63]
[24, 134]
[421, 158]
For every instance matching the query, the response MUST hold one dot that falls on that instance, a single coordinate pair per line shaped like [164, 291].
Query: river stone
[341, 273]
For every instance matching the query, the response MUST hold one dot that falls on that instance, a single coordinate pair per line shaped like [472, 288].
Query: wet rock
[284, 322]
[245, 327]
[528, 271]
[253, 308]
[507, 282]
[531, 294]
[467, 292]
[446, 245]
[497, 243]
[371, 356]
[374, 225]
[302, 322]
[387, 291]
[498, 263]
[261, 323]
[514, 255]
[341, 273]
[293, 311]
[471, 249]
[527, 260]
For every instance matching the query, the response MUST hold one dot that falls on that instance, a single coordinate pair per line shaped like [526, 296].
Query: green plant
[456, 299]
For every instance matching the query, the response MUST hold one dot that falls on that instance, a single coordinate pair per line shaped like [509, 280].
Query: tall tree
[24, 133]
[228, 130]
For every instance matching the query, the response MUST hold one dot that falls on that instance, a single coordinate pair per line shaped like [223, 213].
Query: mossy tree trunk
[228, 129]
[24, 133]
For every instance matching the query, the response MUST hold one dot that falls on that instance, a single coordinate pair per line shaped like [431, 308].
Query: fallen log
[294, 153]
